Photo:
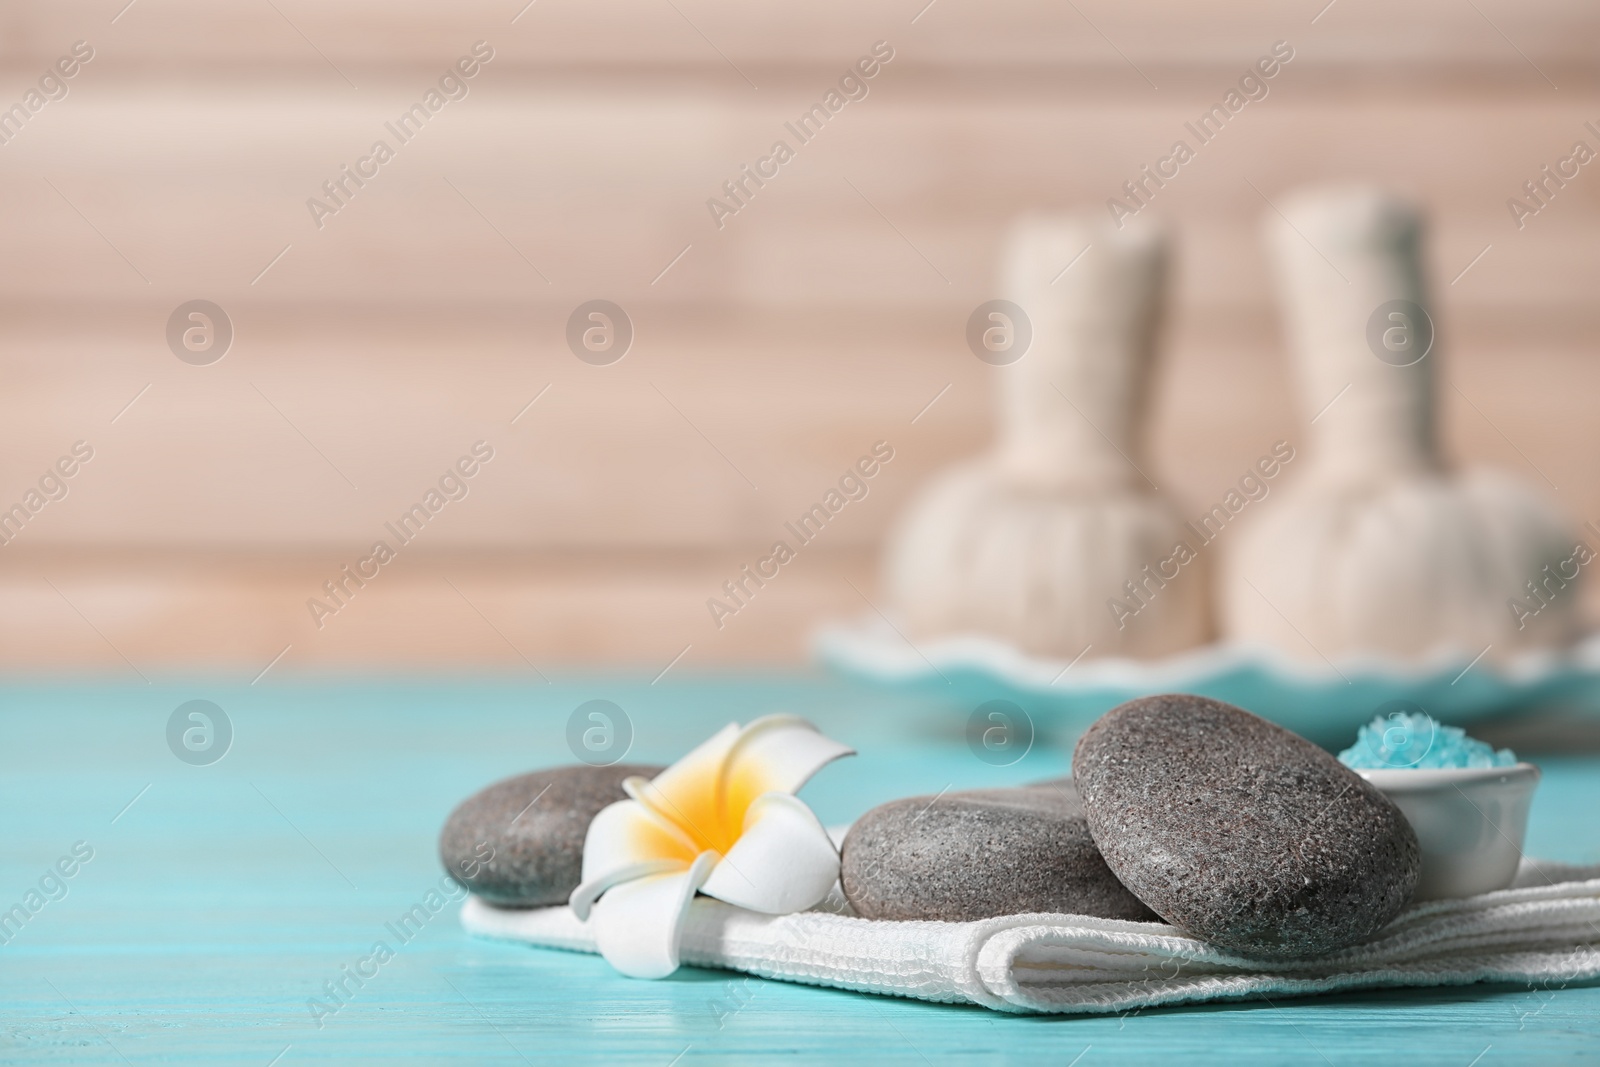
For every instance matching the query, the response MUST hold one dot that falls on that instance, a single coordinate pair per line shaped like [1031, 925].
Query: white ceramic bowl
[1469, 821]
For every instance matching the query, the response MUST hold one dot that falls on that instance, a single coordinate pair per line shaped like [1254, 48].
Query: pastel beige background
[822, 318]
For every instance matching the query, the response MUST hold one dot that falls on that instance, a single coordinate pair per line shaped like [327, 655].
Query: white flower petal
[686, 792]
[582, 899]
[783, 862]
[628, 833]
[774, 754]
[638, 924]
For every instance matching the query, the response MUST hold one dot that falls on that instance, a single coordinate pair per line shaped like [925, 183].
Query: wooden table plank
[223, 898]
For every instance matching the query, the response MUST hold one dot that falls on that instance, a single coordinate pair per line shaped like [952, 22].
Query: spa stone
[519, 842]
[981, 853]
[1239, 832]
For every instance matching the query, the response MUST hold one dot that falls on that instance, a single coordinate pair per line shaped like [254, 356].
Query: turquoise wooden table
[219, 899]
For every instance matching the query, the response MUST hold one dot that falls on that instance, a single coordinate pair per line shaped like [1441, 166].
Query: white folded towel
[1544, 930]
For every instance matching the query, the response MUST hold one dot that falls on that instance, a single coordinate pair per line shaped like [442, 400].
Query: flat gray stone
[981, 853]
[1239, 832]
[519, 841]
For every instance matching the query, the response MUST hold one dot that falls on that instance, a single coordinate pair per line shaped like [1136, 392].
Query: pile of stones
[1180, 809]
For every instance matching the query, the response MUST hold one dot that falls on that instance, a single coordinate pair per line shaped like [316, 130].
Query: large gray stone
[981, 853]
[520, 841]
[1240, 832]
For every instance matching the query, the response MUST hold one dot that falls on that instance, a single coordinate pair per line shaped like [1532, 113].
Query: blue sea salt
[1404, 740]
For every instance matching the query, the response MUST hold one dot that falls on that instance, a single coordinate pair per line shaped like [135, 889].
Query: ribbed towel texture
[1544, 930]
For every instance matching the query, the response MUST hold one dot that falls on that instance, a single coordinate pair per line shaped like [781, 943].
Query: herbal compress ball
[1378, 546]
[1034, 541]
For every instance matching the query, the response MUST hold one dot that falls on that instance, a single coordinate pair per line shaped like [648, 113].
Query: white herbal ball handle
[1351, 279]
[1072, 409]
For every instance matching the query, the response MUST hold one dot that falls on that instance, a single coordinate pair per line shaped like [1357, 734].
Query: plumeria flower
[723, 821]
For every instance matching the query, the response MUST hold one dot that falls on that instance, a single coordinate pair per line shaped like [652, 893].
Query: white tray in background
[1322, 702]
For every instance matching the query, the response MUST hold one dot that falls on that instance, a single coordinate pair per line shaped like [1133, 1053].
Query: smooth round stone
[520, 841]
[981, 853]
[1239, 832]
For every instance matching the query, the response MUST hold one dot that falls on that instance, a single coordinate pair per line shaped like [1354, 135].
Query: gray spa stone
[1240, 832]
[511, 848]
[976, 854]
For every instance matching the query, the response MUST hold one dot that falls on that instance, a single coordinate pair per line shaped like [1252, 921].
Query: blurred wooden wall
[373, 351]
